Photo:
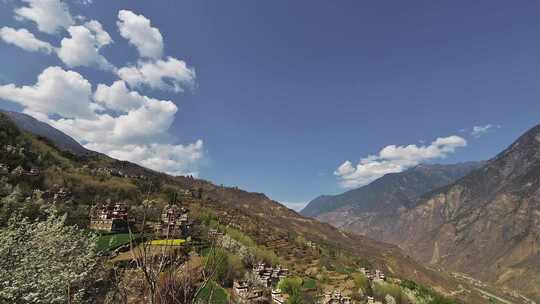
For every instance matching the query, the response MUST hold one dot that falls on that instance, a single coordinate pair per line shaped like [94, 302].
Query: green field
[219, 295]
[108, 242]
[309, 284]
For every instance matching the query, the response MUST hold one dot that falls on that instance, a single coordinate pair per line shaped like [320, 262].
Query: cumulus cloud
[173, 159]
[138, 30]
[169, 74]
[24, 39]
[112, 120]
[49, 15]
[82, 48]
[102, 37]
[56, 91]
[117, 97]
[478, 131]
[392, 159]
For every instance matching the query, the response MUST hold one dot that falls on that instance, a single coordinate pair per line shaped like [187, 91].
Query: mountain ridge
[486, 224]
[405, 187]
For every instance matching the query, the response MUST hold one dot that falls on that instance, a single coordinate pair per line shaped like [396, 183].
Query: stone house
[335, 298]
[269, 276]
[278, 297]
[174, 221]
[245, 293]
[110, 218]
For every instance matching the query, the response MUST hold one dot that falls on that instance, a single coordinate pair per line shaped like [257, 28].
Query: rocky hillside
[486, 224]
[306, 246]
[385, 195]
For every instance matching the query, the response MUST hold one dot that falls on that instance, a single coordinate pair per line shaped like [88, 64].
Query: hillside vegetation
[44, 182]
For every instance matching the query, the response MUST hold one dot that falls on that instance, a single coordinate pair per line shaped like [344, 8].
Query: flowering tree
[45, 262]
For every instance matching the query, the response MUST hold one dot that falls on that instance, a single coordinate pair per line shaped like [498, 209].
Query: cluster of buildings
[388, 299]
[18, 171]
[12, 149]
[376, 276]
[264, 277]
[110, 217]
[56, 193]
[246, 293]
[335, 298]
[174, 222]
[269, 276]
[114, 172]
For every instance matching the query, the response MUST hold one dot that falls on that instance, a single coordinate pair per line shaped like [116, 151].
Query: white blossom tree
[45, 261]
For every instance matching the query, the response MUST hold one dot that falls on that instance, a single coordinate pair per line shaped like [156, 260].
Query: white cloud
[82, 48]
[117, 97]
[56, 91]
[296, 206]
[102, 37]
[170, 74]
[138, 30]
[49, 15]
[173, 159]
[112, 120]
[478, 131]
[24, 39]
[392, 159]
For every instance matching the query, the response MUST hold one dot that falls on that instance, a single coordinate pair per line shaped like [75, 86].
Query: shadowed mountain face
[38, 128]
[486, 224]
[390, 192]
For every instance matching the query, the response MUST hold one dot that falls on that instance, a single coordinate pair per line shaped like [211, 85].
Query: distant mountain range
[484, 222]
[392, 191]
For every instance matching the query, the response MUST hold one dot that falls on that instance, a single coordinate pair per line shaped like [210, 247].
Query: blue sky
[285, 92]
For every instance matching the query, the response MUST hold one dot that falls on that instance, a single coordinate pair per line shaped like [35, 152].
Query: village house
[174, 221]
[278, 297]
[335, 298]
[110, 218]
[377, 276]
[245, 293]
[269, 276]
[56, 193]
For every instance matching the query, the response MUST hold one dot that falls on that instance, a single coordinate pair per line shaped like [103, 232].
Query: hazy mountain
[486, 224]
[390, 192]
